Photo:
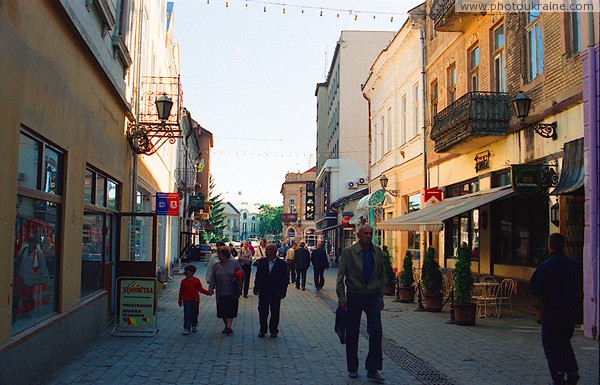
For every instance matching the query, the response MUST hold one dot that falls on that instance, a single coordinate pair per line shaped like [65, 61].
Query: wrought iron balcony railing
[473, 116]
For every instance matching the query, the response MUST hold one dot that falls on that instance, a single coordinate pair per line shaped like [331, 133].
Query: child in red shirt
[190, 299]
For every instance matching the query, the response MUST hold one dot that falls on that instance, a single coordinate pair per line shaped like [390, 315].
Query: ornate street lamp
[522, 105]
[148, 137]
[384, 182]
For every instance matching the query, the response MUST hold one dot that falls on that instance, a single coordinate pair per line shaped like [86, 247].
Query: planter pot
[390, 289]
[407, 294]
[464, 313]
[433, 302]
[539, 313]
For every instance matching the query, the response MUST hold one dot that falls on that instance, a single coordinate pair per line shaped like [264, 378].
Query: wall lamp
[148, 137]
[384, 182]
[522, 104]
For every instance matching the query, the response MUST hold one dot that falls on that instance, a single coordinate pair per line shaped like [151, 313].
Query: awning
[431, 218]
[572, 173]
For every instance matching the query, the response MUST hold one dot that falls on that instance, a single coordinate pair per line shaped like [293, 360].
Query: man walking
[270, 284]
[318, 257]
[302, 260]
[359, 287]
[291, 264]
[556, 282]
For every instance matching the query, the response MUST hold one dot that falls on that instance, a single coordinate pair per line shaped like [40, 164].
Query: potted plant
[406, 288]
[432, 282]
[388, 272]
[464, 308]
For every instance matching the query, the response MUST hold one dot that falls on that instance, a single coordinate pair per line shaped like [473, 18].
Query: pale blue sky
[249, 77]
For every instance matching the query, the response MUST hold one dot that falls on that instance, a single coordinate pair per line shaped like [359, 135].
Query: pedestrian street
[419, 347]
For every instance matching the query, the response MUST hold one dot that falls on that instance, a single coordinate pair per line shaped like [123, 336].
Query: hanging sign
[136, 312]
[310, 201]
[167, 204]
[526, 179]
[432, 196]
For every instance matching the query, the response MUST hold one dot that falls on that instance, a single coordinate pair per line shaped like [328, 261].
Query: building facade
[298, 217]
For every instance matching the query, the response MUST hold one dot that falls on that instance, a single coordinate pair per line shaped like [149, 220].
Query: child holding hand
[189, 298]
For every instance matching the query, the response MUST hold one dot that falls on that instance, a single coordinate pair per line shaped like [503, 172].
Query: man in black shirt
[556, 282]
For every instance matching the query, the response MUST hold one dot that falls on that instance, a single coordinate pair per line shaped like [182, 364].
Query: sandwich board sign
[136, 307]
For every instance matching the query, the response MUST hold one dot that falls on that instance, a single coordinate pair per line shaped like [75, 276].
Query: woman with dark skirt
[225, 277]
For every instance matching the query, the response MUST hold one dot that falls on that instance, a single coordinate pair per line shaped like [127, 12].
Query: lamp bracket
[148, 137]
[544, 130]
[393, 193]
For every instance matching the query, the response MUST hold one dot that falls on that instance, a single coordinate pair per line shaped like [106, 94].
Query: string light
[321, 13]
[355, 17]
[227, 4]
[284, 11]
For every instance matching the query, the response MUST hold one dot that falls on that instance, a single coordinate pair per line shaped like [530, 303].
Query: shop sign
[346, 221]
[167, 204]
[526, 179]
[310, 201]
[289, 217]
[136, 311]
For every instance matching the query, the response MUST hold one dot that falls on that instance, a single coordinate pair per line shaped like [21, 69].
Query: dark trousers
[319, 278]
[301, 278]
[269, 303]
[190, 314]
[557, 330]
[369, 303]
[246, 269]
[291, 268]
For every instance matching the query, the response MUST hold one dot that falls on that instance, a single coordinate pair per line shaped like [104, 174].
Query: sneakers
[353, 374]
[186, 332]
[194, 329]
[374, 376]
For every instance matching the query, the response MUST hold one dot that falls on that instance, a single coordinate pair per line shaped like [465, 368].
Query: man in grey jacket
[359, 288]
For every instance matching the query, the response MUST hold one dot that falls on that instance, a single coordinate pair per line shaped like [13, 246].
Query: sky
[249, 77]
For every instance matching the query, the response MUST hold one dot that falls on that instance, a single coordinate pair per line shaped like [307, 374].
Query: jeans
[246, 269]
[266, 303]
[557, 330]
[301, 278]
[190, 314]
[370, 304]
[319, 278]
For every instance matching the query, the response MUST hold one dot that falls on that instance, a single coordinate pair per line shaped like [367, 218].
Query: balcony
[327, 220]
[446, 18]
[287, 218]
[473, 121]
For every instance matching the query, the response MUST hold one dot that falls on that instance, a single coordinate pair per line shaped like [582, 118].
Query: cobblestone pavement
[419, 348]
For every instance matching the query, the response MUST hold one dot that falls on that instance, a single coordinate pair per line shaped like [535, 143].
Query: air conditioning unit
[363, 180]
[352, 185]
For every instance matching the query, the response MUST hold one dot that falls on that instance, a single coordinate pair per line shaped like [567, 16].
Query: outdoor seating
[488, 278]
[486, 299]
[448, 280]
[504, 297]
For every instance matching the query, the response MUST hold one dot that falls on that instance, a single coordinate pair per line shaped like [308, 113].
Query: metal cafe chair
[504, 297]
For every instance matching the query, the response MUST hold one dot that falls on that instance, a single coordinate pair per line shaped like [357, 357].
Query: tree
[217, 218]
[269, 218]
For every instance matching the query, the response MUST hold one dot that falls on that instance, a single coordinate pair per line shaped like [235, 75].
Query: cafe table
[486, 300]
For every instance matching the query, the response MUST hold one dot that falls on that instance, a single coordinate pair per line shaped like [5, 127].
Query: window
[434, 98]
[535, 45]
[451, 84]
[465, 229]
[501, 178]
[463, 188]
[416, 113]
[573, 32]
[414, 244]
[101, 195]
[413, 202]
[37, 229]
[404, 134]
[292, 206]
[499, 56]
[474, 69]
[389, 134]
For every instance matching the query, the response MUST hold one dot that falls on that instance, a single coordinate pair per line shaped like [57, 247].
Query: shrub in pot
[464, 308]
[432, 281]
[406, 281]
[388, 272]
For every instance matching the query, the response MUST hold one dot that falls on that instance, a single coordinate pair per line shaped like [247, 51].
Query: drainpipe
[591, 183]
[136, 93]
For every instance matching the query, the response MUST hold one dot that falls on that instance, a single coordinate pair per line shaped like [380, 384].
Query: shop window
[101, 196]
[37, 227]
[463, 188]
[501, 178]
[521, 225]
[414, 244]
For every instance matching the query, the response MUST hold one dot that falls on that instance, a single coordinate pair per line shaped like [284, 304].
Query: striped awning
[572, 174]
[432, 218]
